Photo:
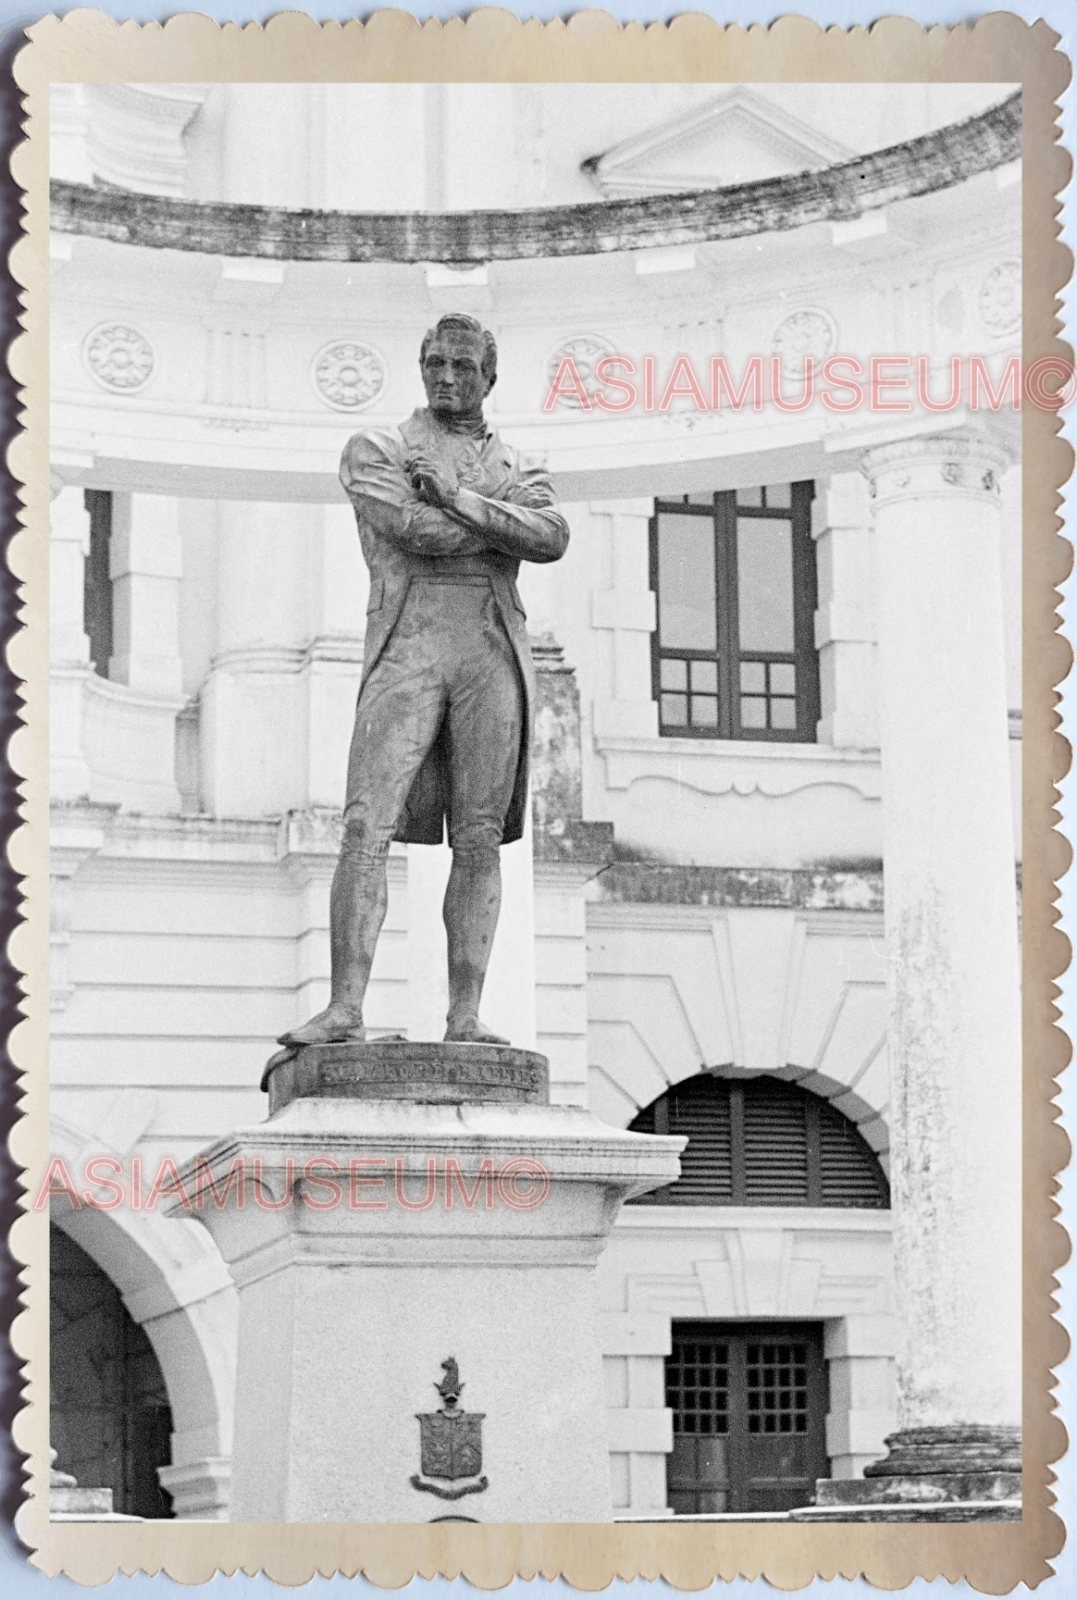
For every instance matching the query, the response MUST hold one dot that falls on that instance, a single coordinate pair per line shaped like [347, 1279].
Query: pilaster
[845, 624]
[69, 648]
[146, 565]
[626, 611]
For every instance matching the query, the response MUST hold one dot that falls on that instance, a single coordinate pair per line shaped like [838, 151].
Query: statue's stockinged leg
[472, 904]
[357, 906]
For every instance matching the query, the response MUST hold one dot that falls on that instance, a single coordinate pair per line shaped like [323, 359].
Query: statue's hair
[460, 319]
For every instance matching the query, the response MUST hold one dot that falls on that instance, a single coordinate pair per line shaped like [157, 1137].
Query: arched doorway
[111, 1420]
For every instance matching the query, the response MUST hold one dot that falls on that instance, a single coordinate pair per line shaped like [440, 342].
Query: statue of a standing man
[446, 513]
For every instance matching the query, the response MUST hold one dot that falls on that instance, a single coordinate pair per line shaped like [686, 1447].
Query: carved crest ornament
[450, 1443]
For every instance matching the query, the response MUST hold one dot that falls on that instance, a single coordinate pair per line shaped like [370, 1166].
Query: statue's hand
[434, 481]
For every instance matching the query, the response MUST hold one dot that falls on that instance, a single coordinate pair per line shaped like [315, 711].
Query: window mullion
[815, 1166]
[805, 600]
[725, 524]
[656, 642]
[736, 1147]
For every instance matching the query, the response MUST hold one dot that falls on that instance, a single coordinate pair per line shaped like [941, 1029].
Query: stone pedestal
[407, 1206]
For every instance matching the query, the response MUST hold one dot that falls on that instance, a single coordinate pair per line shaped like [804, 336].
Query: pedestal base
[423, 1073]
[940, 1474]
[380, 1239]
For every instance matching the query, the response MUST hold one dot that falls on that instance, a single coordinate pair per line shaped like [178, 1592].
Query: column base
[961, 1473]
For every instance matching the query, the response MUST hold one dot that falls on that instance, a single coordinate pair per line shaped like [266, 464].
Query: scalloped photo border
[493, 45]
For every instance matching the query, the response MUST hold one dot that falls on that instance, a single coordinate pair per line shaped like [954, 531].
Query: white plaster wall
[672, 989]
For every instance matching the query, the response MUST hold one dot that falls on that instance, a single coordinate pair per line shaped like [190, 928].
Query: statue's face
[452, 374]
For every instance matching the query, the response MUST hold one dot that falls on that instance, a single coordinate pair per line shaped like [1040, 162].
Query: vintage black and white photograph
[535, 771]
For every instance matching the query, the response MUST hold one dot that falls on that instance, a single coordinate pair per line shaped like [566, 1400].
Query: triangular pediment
[739, 137]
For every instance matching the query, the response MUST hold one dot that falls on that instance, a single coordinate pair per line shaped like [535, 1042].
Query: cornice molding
[839, 193]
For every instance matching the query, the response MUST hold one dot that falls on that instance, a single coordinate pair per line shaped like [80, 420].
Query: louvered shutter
[699, 1109]
[775, 1145]
[848, 1168]
[762, 1142]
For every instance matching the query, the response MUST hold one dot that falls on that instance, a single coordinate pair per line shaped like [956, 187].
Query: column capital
[918, 468]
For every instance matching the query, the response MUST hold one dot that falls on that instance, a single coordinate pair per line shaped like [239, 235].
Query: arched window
[762, 1142]
[110, 1420]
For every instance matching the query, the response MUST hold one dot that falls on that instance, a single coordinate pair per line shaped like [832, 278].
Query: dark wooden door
[749, 1404]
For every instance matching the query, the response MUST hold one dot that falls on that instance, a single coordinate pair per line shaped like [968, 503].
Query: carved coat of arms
[451, 1442]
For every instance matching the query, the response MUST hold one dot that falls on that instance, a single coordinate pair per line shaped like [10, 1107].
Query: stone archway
[110, 1421]
[177, 1290]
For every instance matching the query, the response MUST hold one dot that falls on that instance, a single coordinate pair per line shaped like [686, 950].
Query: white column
[955, 1044]
[146, 564]
[845, 627]
[341, 587]
[252, 725]
[69, 648]
[627, 611]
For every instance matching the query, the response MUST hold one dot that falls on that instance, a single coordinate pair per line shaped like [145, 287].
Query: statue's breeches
[447, 672]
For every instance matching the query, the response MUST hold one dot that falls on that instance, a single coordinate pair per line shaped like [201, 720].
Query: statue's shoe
[472, 1031]
[335, 1025]
[287, 1054]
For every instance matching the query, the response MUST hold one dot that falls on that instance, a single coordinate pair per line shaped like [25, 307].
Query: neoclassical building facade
[782, 651]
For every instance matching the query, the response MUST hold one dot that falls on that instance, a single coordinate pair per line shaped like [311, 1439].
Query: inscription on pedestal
[423, 1073]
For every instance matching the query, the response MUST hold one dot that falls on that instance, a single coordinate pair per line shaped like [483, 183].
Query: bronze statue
[446, 513]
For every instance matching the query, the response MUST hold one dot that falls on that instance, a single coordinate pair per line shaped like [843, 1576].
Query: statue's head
[458, 362]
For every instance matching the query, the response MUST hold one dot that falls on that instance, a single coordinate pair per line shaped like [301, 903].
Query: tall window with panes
[734, 651]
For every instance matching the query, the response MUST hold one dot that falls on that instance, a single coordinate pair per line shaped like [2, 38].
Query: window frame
[98, 601]
[728, 656]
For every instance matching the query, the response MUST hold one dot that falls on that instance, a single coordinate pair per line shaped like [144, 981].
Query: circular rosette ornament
[118, 357]
[347, 375]
[804, 333]
[999, 302]
[585, 350]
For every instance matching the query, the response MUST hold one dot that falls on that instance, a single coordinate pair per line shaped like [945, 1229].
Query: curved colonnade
[234, 305]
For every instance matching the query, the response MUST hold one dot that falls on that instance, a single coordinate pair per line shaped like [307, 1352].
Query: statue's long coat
[374, 468]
